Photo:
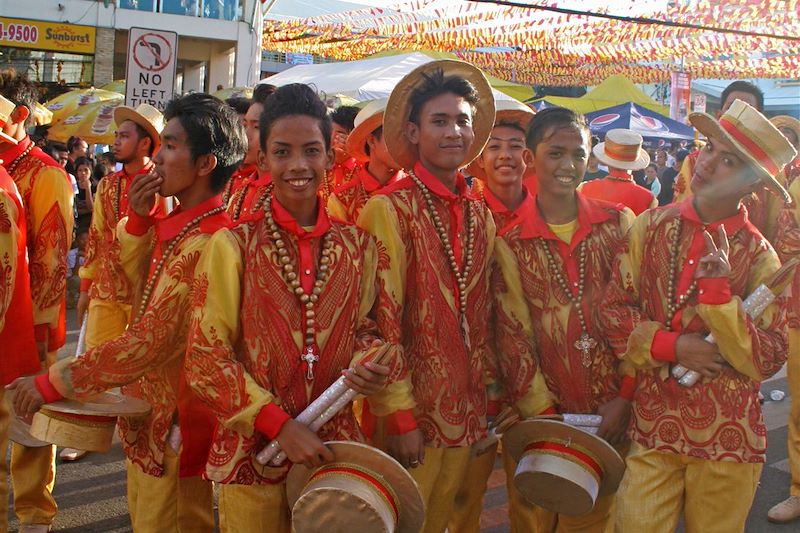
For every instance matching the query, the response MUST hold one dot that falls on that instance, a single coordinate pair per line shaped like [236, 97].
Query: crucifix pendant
[310, 358]
[585, 343]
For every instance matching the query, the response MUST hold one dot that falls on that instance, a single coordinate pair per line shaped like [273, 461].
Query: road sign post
[152, 60]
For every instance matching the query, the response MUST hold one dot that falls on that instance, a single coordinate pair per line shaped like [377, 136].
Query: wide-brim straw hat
[6, 108]
[85, 425]
[505, 111]
[368, 120]
[754, 138]
[562, 468]
[146, 116]
[398, 110]
[622, 149]
[364, 490]
[19, 431]
[785, 121]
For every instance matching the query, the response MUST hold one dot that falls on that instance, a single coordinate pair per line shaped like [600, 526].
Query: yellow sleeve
[89, 269]
[379, 218]
[52, 219]
[212, 368]
[135, 253]
[754, 347]
[515, 347]
[336, 208]
[9, 238]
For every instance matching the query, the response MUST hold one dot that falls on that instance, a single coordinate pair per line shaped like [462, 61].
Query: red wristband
[138, 225]
[549, 411]
[270, 420]
[401, 422]
[627, 388]
[663, 347]
[46, 389]
[713, 291]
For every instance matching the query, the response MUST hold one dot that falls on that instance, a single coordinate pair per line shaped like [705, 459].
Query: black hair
[20, 90]
[552, 118]
[595, 140]
[743, 87]
[211, 128]
[435, 84]
[261, 92]
[377, 133]
[83, 161]
[513, 124]
[652, 165]
[345, 116]
[238, 104]
[72, 142]
[52, 149]
[294, 99]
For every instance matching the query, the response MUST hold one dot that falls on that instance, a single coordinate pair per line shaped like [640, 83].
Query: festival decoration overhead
[534, 45]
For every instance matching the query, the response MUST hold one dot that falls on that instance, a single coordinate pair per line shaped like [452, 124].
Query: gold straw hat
[398, 109]
[364, 490]
[622, 149]
[146, 116]
[368, 120]
[754, 138]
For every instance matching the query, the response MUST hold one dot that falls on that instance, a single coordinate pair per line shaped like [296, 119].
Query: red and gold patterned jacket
[717, 419]
[102, 274]
[440, 387]
[244, 359]
[787, 233]
[534, 314]
[20, 356]
[248, 199]
[47, 197]
[243, 175]
[337, 176]
[349, 199]
[147, 360]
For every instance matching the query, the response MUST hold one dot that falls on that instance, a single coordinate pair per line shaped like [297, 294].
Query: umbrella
[72, 103]
[647, 123]
[234, 92]
[116, 86]
[93, 122]
[42, 114]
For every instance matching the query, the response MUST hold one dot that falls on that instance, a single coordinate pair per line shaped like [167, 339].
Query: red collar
[244, 171]
[498, 207]
[438, 188]
[620, 174]
[285, 220]
[15, 151]
[589, 213]
[368, 180]
[144, 170]
[169, 227]
[732, 224]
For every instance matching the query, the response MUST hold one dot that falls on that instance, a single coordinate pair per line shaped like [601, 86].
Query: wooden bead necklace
[585, 343]
[461, 275]
[673, 305]
[308, 300]
[153, 279]
[17, 160]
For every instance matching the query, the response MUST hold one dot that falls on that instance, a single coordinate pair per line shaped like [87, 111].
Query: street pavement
[91, 492]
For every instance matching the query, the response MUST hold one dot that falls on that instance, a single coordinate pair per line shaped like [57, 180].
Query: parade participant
[16, 316]
[555, 263]
[106, 292]
[681, 275]
[738, 90]
[436, 242]
[201, 145]
[376, 168]
[622, 152]
[254, 184]
[787, 245]
[593, 170]
[76, 147]
[345, 165]
[47, 198]
[499, 169]
[309, 284]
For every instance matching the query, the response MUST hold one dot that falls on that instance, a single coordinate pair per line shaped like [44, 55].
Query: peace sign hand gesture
[714, 264]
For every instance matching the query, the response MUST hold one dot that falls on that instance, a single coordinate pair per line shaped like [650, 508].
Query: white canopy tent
[366, 79]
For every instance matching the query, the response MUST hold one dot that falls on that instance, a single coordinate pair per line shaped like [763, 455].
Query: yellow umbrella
[72, 103]
[234, 92]
[94, 123]
[117, 86]
[42, 115]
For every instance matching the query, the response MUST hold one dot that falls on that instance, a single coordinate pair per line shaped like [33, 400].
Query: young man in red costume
[281, 312]
[201, 145]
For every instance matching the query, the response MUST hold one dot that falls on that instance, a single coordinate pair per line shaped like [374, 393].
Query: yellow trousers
[169, 504]
[439, 479]
[33, 475]
[106, 321]
[251, 508]
[715, 496]
[793, 371]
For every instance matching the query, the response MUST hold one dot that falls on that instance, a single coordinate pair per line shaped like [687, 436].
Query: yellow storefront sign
[40, 35]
